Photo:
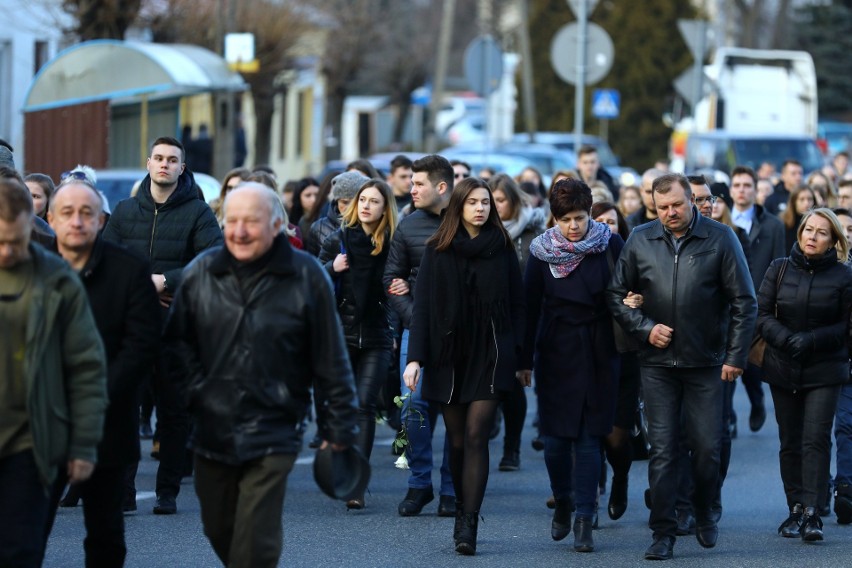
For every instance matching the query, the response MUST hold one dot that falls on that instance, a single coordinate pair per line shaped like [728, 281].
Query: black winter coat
[373, 329]
[246, 357]
[806, 342]
[321, 229]
[169, 235]
[124, 303]
[766, 243]
[704, 292]
[405, 256]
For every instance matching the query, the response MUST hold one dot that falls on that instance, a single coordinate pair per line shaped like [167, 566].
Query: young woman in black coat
[465, 333]
[803, 313]
[354, 257]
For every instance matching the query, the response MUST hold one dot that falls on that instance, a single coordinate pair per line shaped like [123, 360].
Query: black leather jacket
[806, 341]
[406, 253]
[704, 292]
[245, 357]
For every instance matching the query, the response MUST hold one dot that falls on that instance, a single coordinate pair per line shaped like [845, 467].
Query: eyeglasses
[699, 201]
[462, 175]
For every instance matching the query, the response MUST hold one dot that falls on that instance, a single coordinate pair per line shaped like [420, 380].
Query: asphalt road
[515, 531]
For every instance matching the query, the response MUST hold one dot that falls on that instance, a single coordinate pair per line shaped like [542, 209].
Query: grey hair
[273, 202]
[101, 198]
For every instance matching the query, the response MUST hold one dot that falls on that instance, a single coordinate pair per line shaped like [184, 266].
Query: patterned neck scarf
[564, 256]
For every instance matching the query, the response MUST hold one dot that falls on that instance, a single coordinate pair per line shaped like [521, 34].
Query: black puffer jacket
[806, 342]
[372, 329]
[321, 229]
[406, 253]
[168, 235]
[704, 292]
[246, 356]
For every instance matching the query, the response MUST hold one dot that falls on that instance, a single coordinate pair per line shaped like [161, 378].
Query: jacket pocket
[698, 255]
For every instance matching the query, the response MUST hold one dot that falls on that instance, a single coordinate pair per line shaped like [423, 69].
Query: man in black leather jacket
[696, 324]
[253, 328]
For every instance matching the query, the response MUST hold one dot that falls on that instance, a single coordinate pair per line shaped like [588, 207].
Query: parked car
[721, 150]
[543, 157]
[453, 109]
[117, 184]
[501, 163]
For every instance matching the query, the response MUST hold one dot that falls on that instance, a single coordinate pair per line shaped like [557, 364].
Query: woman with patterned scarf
[569, 340]
[466, 332]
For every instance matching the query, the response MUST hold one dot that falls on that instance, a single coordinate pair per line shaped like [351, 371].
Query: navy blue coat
[569, 344]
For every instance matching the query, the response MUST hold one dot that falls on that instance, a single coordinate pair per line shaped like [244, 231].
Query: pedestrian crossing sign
[605, 103]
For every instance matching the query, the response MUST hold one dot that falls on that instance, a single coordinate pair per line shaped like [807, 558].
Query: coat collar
[281, 261]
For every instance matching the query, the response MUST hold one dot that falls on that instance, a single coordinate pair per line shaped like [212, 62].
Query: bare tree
[762, 24]
[276, 27]
[102, 19]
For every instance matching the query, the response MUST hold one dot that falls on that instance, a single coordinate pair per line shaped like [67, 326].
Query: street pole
[440, 72]
[699, 72]
[579, 97]
[527, 71]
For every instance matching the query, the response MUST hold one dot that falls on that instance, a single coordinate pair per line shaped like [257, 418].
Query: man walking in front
[168, 224]
[52, 380]
[696, 324]
[254, 326]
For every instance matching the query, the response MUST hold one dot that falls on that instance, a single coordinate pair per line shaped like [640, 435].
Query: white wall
[25, 22]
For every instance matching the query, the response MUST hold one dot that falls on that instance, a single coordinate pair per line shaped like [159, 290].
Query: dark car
[722, 151]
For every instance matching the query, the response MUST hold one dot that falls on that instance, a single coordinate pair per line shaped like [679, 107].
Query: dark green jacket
[170, 235]
[65, 368]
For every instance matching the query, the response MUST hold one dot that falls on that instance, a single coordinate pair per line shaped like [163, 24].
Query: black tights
[619, 452]
[468, 426]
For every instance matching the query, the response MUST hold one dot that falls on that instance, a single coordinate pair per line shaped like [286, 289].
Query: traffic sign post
[606, 103]
[483, 65]
[695, 34]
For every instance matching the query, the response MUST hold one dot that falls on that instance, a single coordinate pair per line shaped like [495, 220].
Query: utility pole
[440, 72]
[527, 71]
[580, 94]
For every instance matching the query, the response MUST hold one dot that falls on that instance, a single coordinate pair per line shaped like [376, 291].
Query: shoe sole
[584, 548]
[658, 557]
[812, 538]
[465, 549]
[161, 511]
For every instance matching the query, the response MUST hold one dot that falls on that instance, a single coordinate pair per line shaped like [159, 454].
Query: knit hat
[347, 184]
[7, 159]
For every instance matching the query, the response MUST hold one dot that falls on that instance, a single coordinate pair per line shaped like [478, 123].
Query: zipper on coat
[674, 305]
[153, 232]
[452, 384]
[497, 359]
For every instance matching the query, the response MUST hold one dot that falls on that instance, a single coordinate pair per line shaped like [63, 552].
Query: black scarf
[468, 291]
[365, 270]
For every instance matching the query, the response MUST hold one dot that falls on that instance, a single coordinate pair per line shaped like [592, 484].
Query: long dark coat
[569, 344]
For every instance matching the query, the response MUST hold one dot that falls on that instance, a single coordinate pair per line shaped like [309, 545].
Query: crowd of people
[448, 290]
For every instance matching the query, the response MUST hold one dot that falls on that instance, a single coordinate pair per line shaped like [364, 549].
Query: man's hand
[159, 282]
[633, 300]
[334, 447]
[411, 376]
[730, 373]
[524, 377]
[79, 471]
[398, 287]
[660, 336]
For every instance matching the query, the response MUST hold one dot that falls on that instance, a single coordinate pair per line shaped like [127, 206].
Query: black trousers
[371, 373]
[678, 402]
[804, 421]
[102, 496]
[173, 429]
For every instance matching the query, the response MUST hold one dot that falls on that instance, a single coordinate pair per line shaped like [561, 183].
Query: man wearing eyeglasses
[124, 304]
[168, 224]
[766, 240]
[52, 380]
[461, 170]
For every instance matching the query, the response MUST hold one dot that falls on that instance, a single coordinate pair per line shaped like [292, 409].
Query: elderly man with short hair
[253, 328]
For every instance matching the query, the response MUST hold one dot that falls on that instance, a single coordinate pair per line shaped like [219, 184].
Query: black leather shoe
[685, 522]
[791, 527]
[843, 503]
[537, 444]
[660, 549]
[707, 534]
[414, 501]
[757, 417]
[617, 498]
[811, 526]
[583, 541]
[165, 505]
[446, 506]
[561, 524]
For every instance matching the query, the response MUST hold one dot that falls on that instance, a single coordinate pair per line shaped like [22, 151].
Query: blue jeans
[574, 468]
[843, 436]
[694, 396]
[419, 450]
[25, 512]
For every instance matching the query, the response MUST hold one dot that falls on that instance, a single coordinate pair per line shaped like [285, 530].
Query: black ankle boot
[561, 524]
[511, 455]
[617, 498]
[467, 535]
[583, 541]
[791, 528]
[457, 527]
[811, 525]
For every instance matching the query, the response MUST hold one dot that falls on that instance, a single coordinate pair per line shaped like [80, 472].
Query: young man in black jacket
[167, 223]
[124, 304]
